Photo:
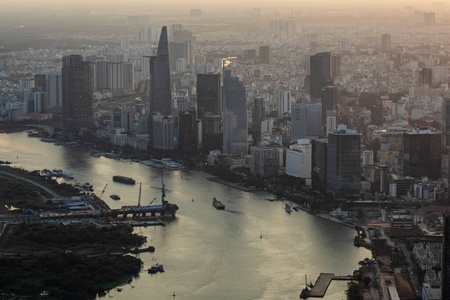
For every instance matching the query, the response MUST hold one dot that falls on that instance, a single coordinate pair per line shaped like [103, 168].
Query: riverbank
[234, 185]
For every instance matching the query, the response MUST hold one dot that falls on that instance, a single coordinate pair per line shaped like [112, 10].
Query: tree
[354, 291]
[367, 280]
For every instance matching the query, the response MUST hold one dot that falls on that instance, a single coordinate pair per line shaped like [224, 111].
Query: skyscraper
[386, 42]
[235, 116]
[422, 152]
[283, 102]
[53, 86]
[258, 115]
[446, 121]
[446, 259]
[265, 54]
[428, 19]
[320, 73]
[306, 121]
[426, 76]
[344, 164]
[329, 96]
[160, 93]
[208, 94]
[77, 97]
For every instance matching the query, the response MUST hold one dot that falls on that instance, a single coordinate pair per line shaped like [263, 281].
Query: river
[207, 253]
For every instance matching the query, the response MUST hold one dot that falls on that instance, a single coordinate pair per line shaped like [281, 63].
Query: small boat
[217, 204]
[155, 269]
[287, 207]
[67, 175]
[119, 289]
[115, 197]
[295, 208]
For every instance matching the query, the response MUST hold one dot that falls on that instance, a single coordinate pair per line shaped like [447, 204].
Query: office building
[344, 164]
[161, 129]
[265, 55]
[306, 121]
[264, 161]
[208, 94]
[112, 76]
[329, 97]
[320, 73]
[446, 121]
[53, 86]
[386, 45]
[124, 43]
[180, 49]
[299, 160]
[422, 151]
[344, 45]
[127, 119]
[250, 56]
[77, 94]
[258, 115]
[116, 120]
[283, 102]
[446, 259]
[426, 77]
[235, 116]
[160, 89]
[319, 169]
[188, 132]
[428, 19]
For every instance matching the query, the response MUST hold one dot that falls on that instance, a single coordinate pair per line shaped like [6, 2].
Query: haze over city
[225, 150]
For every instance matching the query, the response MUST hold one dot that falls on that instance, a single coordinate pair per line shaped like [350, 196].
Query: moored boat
[287, 207]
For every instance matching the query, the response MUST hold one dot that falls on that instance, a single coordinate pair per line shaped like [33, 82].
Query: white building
[367, 157]
[299, 160]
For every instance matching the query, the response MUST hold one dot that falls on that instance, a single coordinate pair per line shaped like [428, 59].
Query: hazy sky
[135, 5]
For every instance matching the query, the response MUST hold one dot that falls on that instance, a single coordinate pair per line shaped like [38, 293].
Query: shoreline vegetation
[42, 261]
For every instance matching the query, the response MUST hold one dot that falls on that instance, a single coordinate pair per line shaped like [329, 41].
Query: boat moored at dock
[287, 207]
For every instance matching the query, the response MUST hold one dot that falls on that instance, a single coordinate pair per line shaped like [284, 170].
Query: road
[412, 275]
[55, 195]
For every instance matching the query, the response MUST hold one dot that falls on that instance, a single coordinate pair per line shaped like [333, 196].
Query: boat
[123, 179]
[287, 207]
[67, 175]
[87, 186]
[217, 204]
[95, 153]
[109, 155]
[155, 269]
[295, 208]
[115, 197]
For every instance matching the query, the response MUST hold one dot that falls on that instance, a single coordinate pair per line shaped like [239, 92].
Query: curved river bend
[207, 253]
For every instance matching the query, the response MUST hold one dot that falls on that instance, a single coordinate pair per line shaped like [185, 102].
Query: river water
[207, 253]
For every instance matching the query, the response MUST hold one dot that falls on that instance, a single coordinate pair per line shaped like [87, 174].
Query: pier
[320, 287]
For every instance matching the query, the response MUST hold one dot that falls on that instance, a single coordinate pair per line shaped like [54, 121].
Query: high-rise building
[299, 160]
[344, 164]
[446, 121]
[53, 86]
[160, 93]
[319, 171]
[335, 66]
[196, 13]
[422, 151]
[446, 259]
[320, 73]
[128, 119]
[208, 94]
[161, 129]
[77, 94]
[250, 56]
[188, 131]
[386, 45]
[265, 55]
[180, 49]
[111, 75]
[283, 102]
[330, 97]
[235, 116]
[426, 76]
[264, 161]
[344, 45]
[306, 121]
[116, 121]
[258, 115]
[428, 19]
[124, 43]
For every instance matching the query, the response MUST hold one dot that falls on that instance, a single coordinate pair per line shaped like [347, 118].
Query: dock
[320, 287]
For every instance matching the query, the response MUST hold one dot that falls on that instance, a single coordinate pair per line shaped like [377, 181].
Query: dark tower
[258, 115]
[160, 93]
[329, 96]
[77, 89]
[208, 94]
[320, 74]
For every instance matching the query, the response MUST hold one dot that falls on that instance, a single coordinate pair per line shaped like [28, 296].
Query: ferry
[155, 269]
[123, 179]
[287, 207]
[217, 204]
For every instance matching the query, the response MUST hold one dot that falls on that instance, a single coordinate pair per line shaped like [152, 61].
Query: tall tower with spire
[160, 93]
